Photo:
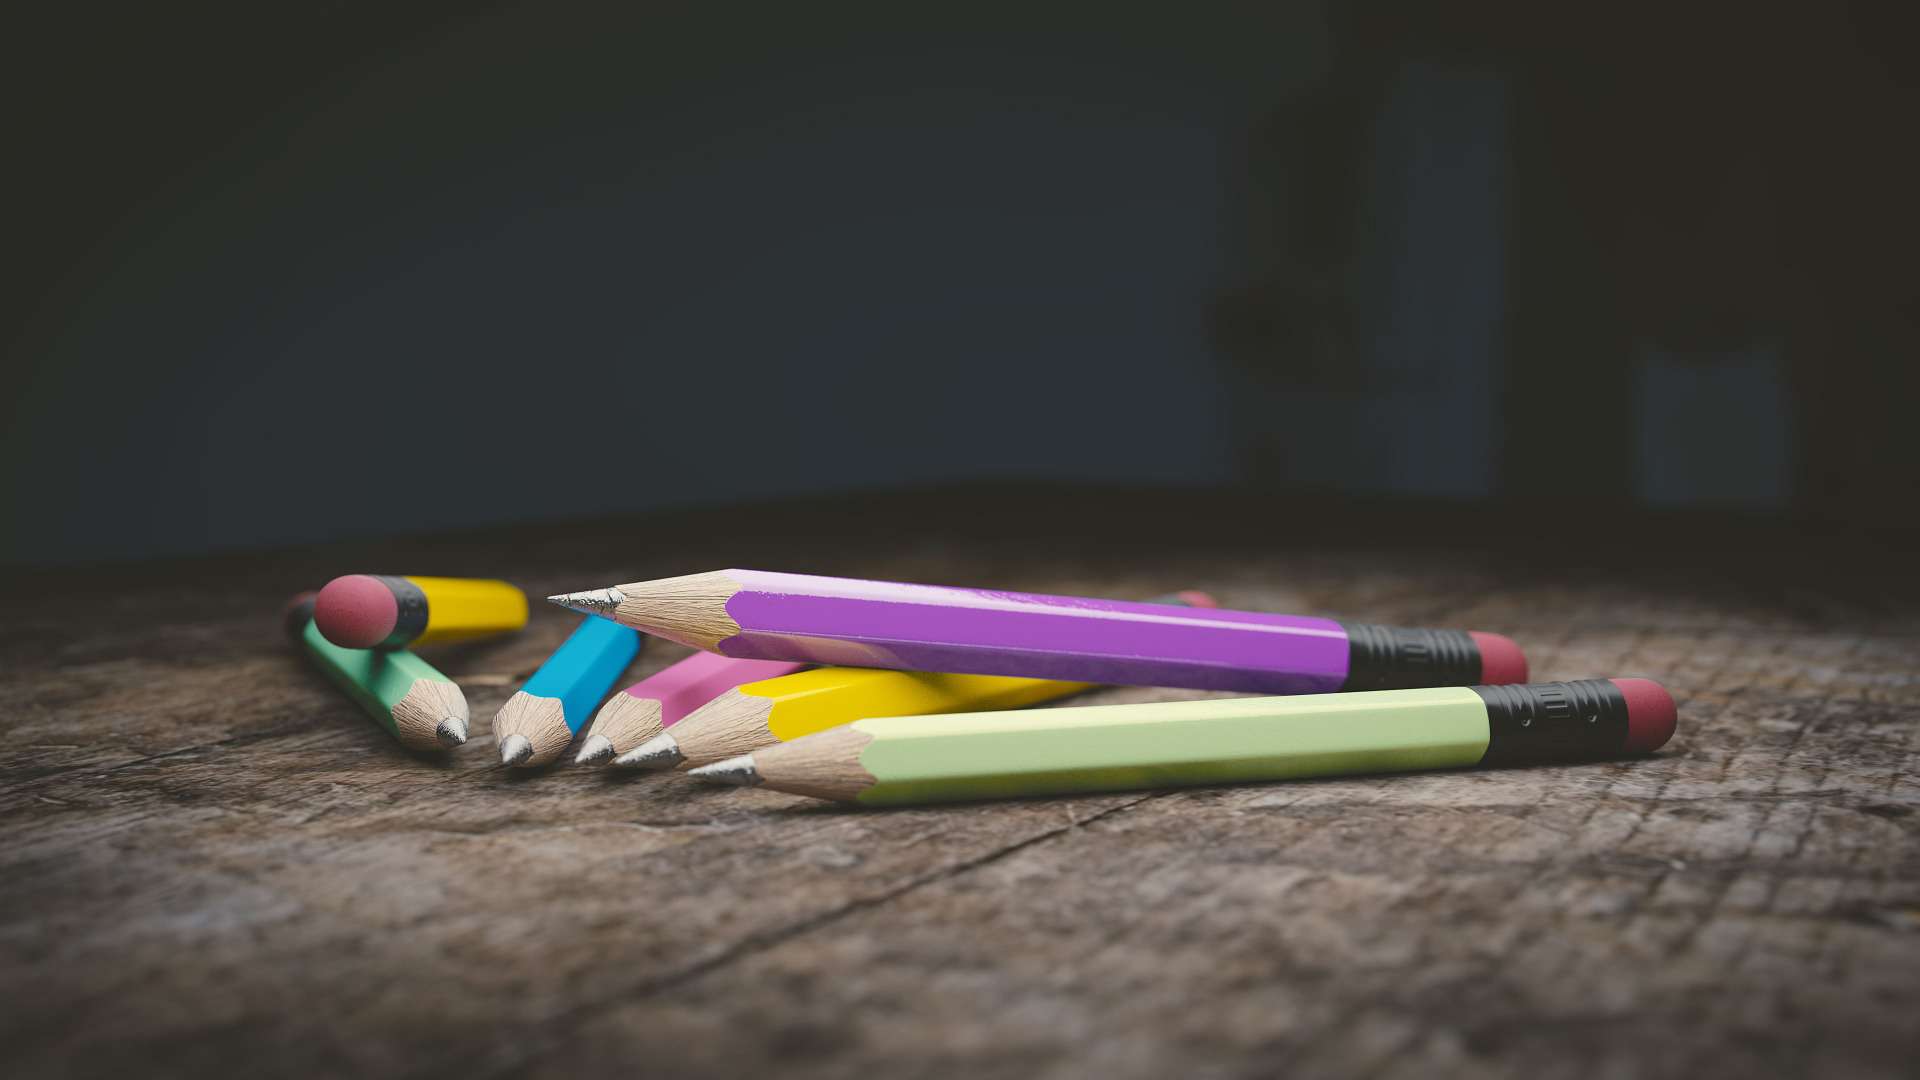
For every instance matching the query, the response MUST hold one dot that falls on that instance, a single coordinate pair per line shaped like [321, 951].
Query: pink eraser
[1501, 661]
[1650, 714]
[356, 612]
[1196, 598]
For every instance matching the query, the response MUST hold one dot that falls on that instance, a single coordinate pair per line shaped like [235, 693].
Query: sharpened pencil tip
[659, 752]
[451, 732]
[733, 772]
[515, 750]
[595, 750]
[600, 602]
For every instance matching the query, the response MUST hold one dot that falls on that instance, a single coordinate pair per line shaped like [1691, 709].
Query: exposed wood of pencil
[540, 719]
[691, 610]
[822, 766]
[417, 715]
[626, 721]
[731, 724]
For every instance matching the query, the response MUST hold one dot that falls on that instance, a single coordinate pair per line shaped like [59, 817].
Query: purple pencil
[757, 615]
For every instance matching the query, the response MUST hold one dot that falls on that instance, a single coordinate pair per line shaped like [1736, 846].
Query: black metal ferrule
[298, 616]
[1397, 658]
[411, 620]
[1560, 721]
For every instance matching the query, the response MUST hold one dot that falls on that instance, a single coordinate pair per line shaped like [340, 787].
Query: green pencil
[401, 692]
[922, 759]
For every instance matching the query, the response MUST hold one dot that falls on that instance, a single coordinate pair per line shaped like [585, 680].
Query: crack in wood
[757, 943]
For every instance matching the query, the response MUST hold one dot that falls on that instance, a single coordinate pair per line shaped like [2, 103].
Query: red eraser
[356, 612]
[1196, 598]
[1501, 661]
[1650, 714]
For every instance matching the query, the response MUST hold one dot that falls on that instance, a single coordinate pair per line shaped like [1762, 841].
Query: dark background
[281, 275]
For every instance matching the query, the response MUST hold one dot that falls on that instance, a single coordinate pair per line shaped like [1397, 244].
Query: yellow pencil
[778, 710]
[379, 611]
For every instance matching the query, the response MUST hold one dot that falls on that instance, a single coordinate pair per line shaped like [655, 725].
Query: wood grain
[209, 862]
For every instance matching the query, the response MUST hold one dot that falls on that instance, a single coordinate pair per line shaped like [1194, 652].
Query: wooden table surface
[209, 862]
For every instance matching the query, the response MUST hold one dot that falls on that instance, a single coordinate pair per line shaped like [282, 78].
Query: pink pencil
[642, 710]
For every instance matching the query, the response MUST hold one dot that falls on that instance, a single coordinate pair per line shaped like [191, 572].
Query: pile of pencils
[879, 693]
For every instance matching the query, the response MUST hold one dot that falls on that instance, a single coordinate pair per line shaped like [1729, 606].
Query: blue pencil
[541, 719]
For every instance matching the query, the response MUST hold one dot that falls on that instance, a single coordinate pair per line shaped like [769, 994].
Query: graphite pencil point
[451, 732]
[658, 753]
[595, 750]
[601, 602]
[515, 750]
[733, 772]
